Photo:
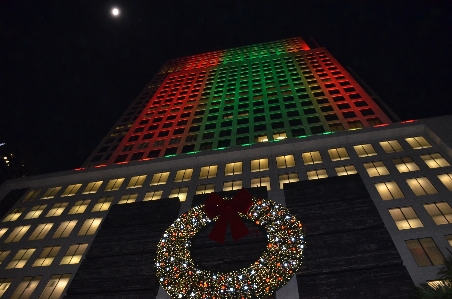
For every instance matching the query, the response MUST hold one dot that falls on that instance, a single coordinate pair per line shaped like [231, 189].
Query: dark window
[144, 121]
[110, 140]
[167, 125]
[97, 158]
[148, 136]
[319, 94]
[275, 116]
[157, 119]
[212, 117]
[225, 133]
[298, 132]
[360, 103]
[326, 108]
[196, 120]
[317, 129]
[349, 89]
[171, 151]
[355, 96]
[105, 148]
[295, 122]
[206, 146]
[163, 133]
[259, 118]
[243, 130]
[188, 148]
[194, 129]
[278, 125]
[261, 127]
[210, 126]
[330, 117]
[366, 112]
[306, 103]
[309, 111]
[258, 110]
[183, 115]
[338, 99]
[336, 127]
[224, 143]
[226, 123]
[290, 106]
[343, 106]
[121, 158]
[191, 138]
[349, 114]
[313, 120]
[139, 130]
[208, 135]
[178, 131]
[303, 96]
[152, 128]
[242, 140]
[293, 113]
[136, 156]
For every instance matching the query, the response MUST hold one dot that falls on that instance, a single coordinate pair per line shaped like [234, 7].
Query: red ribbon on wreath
[228, 210]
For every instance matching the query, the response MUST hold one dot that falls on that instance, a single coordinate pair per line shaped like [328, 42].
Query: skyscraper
[284, 121]
[235, 97]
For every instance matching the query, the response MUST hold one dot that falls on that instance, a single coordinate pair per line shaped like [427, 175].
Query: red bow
[228, 212]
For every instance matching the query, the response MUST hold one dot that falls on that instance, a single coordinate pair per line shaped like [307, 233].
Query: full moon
[115, 11]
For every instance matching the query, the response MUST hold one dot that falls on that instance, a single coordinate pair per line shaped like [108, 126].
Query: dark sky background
[68, 69]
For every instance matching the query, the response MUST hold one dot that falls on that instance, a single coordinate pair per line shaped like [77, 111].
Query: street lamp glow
[115, 11]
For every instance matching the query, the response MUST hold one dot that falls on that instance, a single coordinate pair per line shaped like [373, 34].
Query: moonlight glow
[115, 11]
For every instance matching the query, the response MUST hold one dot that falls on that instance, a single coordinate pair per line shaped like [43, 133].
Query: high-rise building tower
[284, 121]
[259, 93]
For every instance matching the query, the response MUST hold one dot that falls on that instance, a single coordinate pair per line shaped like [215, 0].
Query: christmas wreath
[179, 276]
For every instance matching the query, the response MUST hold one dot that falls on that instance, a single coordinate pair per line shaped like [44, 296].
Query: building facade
[266, 116]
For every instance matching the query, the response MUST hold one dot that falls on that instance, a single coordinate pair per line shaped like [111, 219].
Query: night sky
[68, 69]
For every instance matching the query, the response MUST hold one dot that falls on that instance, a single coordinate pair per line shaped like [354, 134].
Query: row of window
[406, 217]
[65, 228]
[53, 289]
[72, 256]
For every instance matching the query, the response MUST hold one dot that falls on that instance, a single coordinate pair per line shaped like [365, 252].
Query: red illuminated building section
[238, 97]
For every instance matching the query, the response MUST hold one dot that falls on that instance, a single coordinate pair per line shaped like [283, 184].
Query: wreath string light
[281, 259]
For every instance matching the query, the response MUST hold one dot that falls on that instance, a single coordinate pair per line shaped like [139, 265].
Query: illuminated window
[405, 164]
[89, 227]
[160, 178]
[317, 174]
[285, 161]
[92, 187]
[128, 198]
[425, 252]
[32, 194]
[232, 185]
[183, 175]
[421, 186]
[136, 181]
[208, 172]
[35, 212]
[2, 231]
[57, 209]
[259, 164]
[449, 239]
[287, 178]
[4, 285]
[55, 287]
[26, 287]
[14, 215]
[446, 179]
[21, 258]
[79, 207]
[74, 254]
[114, 184]
[405, 218]
[261, 182]
[262, 138]
[65, 229]
[376, 168]
[51, 192]
[279, 136]
[311, 158]
[41, 231]
[441, 212]
[153, 195]
[204, 189]
[364, 150]
[389, 190]
[337, 154]
[233, 168]
[179, 192]
[345, 170]
[103, 204]
[17, 234]
[391, 146]
[71, 190]
[418, 142]
[435, 160]
[3, 255]
[46, 257]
